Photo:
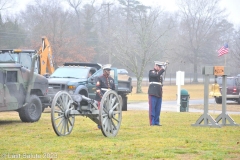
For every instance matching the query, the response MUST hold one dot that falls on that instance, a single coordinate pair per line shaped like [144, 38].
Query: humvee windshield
[25, 59]
[70, 72]
[8, 57]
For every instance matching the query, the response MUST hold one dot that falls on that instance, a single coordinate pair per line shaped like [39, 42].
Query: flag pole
[225, 59]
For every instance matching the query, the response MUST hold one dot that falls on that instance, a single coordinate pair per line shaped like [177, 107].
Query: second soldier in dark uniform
[104, 83]
[155, 93]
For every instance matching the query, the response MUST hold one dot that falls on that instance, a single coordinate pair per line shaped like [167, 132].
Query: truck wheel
[32, 112]
[124, 103]
[218, 100]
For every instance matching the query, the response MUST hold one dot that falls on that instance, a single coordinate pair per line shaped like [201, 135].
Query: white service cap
[107, 66]
[159, 63]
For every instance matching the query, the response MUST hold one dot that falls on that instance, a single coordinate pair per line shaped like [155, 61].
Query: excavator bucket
[215, 91]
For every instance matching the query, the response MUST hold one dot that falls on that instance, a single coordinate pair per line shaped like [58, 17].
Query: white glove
[166, 63]
[163, 67]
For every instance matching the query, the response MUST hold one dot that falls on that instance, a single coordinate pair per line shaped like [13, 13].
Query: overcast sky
[232, 7]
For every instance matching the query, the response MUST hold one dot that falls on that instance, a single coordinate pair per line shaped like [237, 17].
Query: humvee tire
[32, 112]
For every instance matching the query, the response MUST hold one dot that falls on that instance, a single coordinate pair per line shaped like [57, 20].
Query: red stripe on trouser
[98, 105]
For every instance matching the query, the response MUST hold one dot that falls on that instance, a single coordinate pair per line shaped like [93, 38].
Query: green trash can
[184, 101]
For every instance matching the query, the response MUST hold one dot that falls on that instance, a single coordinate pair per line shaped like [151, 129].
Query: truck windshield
[71, 72]
[230, 81]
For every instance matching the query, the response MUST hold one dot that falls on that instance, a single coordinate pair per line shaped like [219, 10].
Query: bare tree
[235, 49]
[6, 4]
[47, 18]
[144, 43]
[200, 27]
[76, 4]
[131, 7]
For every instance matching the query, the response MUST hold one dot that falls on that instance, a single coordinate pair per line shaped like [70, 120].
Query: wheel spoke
[68, 101]
[115, 106]
[61, 102]
[70, 122]
[65, 126]
[116, 119]
[113, 125]
[107, 103]
[104, 114]
[59, 106]
[110, 124]
[105, 110]
[62, 123]
[57, 111]
[69, 104]
[59, 117]
[113, 101]
[104, 121]
[117, 112]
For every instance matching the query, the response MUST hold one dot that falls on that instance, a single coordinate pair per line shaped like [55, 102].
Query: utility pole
[108, 17]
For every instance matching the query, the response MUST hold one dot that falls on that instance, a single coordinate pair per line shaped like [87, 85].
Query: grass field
[176, 139]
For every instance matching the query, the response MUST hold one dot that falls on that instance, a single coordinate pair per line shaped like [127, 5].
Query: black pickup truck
[75, 78]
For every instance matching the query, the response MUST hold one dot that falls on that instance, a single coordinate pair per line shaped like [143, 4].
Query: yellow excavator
[45, 58]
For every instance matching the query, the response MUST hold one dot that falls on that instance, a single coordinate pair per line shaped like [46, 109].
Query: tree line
[125, 33]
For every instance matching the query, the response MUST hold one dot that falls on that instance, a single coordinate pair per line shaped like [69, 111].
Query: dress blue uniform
[155, 94]
[104, 82]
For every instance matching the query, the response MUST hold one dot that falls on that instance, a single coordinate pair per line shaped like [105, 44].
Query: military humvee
[22, 89]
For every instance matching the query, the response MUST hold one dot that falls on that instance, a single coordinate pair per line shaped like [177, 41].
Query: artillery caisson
[65, 107]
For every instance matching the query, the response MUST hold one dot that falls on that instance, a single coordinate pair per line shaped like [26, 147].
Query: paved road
[172, 106]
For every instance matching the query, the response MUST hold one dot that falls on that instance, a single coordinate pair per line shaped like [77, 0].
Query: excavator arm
[46, 59]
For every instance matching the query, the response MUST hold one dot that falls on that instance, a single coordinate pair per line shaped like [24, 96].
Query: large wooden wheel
[62, 121]
[110, 114]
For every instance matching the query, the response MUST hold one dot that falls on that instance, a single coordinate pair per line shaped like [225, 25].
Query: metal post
[224, 116]
[205, 117]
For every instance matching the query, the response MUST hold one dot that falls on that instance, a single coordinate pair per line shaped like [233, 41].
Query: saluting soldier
[155, 93]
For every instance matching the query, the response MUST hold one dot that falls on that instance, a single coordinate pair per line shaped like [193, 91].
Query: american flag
[223, 50]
